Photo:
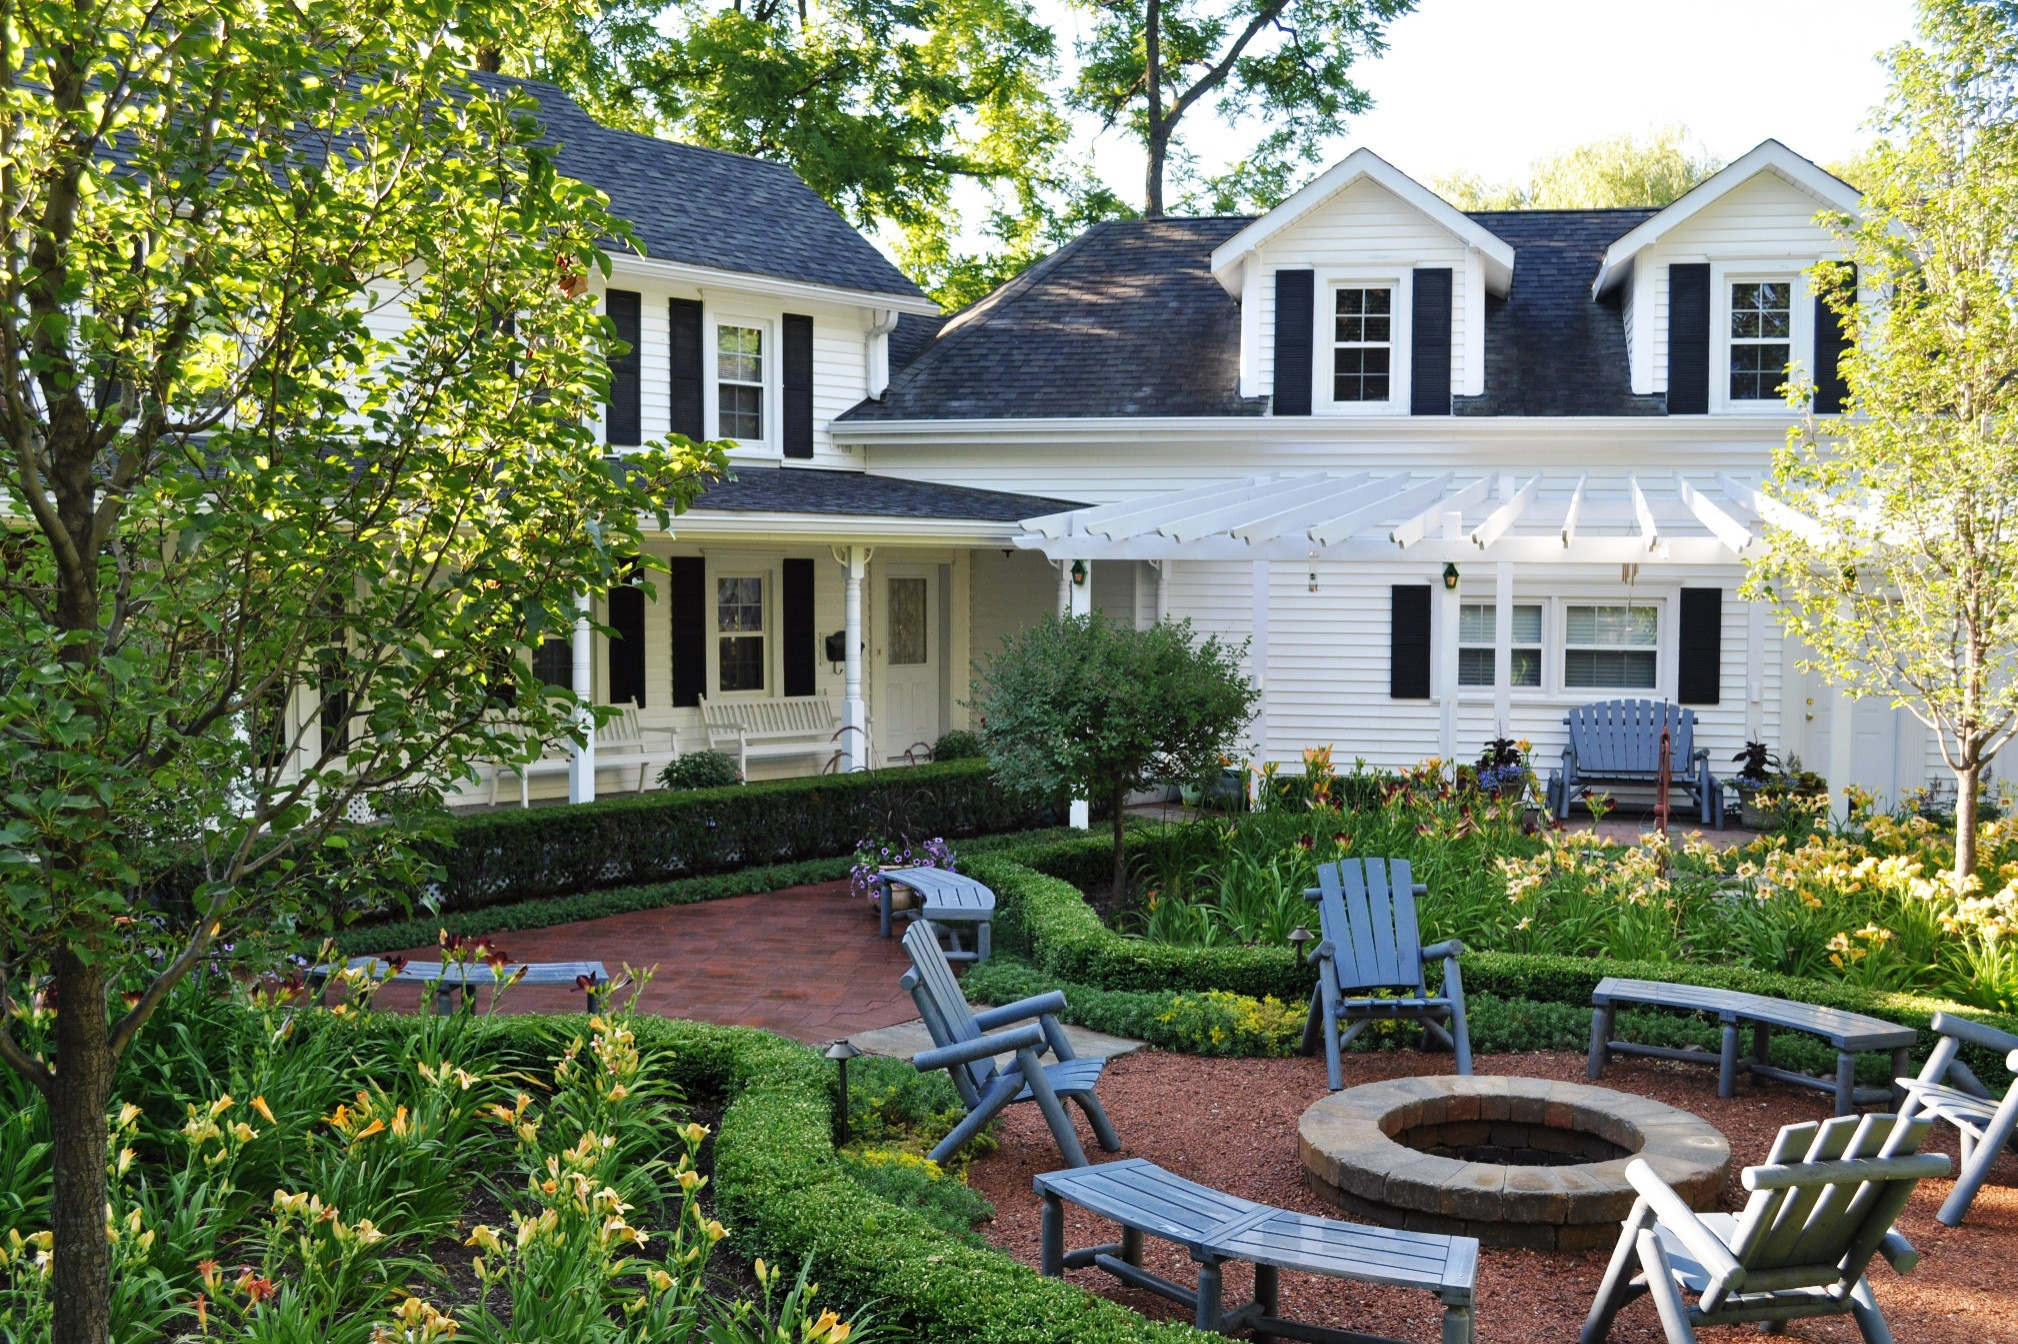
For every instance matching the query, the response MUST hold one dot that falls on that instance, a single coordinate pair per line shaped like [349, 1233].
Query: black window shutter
[795, 607]
[1699, 669]
[1830, 341]
[1408, 643]
[627, 646]
[687, 589]
[1294, 318]
[798, 386]
[689, 416]
[1689, 339]
[625, 422]
[1429, 344]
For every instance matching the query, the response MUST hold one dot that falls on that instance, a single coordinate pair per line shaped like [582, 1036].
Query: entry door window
[739, 625]
[907, 622]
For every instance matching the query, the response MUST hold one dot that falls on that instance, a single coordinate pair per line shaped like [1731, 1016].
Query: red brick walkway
[805, 962]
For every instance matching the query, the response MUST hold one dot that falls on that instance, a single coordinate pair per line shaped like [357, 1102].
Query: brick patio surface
[804, 962]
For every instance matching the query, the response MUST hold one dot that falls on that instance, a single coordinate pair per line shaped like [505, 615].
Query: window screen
[1610, 647]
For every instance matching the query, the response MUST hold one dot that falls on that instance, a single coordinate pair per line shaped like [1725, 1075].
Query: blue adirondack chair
[965, 1044]
[1370, 962]
[1619, 742]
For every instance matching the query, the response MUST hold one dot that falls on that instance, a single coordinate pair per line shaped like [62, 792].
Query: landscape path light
[841, 1052]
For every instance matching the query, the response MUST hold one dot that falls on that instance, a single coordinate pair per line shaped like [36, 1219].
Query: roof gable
[1828, 192]
[711, 208]
[1495, 254]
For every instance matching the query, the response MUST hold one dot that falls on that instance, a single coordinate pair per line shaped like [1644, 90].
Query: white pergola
[1449, 517]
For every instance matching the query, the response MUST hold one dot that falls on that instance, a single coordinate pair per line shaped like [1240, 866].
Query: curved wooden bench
[1216, 1227]
[944, 898]
[1850, 1033]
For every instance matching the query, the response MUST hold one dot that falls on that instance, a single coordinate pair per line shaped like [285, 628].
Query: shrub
[701, 770]
[957, 744]
[494, 857]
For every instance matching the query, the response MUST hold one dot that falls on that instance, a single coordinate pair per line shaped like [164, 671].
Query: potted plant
[1503, 768]
[1757, 769]
[1768, 791]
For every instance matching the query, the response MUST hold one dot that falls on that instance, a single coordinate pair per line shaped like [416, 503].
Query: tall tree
[884, 106]
[1905, 586]
[1616, 171]
[1147, 63]
[290, 393]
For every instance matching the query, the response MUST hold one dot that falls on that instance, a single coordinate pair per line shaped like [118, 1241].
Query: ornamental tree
[295, 385]
[1897, 565]
[1081, 705]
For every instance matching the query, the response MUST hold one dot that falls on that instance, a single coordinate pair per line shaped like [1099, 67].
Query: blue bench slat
[480, 973]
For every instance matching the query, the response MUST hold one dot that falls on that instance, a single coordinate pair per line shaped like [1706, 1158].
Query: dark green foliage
[940, 1198]
[495, 857]
[701, 770]
[957, 744]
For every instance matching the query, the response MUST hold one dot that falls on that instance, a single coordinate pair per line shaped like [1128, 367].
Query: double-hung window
[739, 627]
[1475, 644]
[739, 382]
[1611, 647]
[1362, 343]
[1762, 338]
[554, 661]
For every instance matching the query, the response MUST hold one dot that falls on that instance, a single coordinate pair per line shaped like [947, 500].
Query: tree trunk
[1159, 129]
[1968, 786]
[1152, 186]
[1120, 896]
[82, 1088]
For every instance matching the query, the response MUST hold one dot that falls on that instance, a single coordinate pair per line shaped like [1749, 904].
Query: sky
[1488, 86]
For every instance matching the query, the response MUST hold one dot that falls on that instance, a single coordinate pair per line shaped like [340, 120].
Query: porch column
[1163, 569]
[1502, 654]
[582, 760]
[1446, 655]
[1076, 599]
[854, 713]
[1258, 661]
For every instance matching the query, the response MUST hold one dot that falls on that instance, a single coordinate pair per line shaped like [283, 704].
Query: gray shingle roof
[815, 490]
[1125, 319]
[1550, 348]
[706, 207]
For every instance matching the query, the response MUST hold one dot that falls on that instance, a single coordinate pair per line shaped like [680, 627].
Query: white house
[1450, 473]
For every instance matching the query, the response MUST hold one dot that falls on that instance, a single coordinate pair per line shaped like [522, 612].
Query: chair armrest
[671, 736]
[1691, 1231]
[1962, 1029]
[1021, 1011]
[1313, 894]
[983, 1047]
[1324, 951]
[1450, 947]
[1898, 1253]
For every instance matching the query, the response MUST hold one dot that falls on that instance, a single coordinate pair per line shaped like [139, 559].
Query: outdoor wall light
[1078, 573]
[1313, 571]
[1450, 577]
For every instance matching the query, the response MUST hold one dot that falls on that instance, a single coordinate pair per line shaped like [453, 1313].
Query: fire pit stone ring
[1512, 1161]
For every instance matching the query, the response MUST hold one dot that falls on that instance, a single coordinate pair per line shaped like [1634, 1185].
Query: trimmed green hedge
[542, 914]
[1040, 914]
[493, 857]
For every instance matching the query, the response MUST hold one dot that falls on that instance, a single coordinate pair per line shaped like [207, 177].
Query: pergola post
[1502, 655]
[582, 759]
[1446, 654]
[854, 712]
[1075, 598]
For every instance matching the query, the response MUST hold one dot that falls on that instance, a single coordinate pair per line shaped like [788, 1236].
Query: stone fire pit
[1511, 1161]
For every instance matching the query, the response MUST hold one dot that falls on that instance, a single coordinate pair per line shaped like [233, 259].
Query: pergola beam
[1097, 518]
[1650, 531]
[1771, 510]
[1414, 529]
[1261, 503]
[1362, 492]
[1725, 528]
[1574, 511]
[1341, 527]
[1506, 515]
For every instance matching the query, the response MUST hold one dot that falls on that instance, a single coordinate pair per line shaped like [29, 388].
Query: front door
[908, 717]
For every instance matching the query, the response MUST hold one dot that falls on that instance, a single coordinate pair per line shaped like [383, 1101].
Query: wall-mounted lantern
[1450, 577]
[1078, 573]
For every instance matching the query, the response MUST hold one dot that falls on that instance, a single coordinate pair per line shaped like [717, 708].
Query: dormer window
[739, 382]
[1363, 343]
[1762, 335]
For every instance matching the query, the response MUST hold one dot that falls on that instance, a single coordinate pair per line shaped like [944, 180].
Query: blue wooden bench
[1850, 1033]
[1216, 1227]
[1370, 962]
[448, 981]
[1619, 742]
[945, 899]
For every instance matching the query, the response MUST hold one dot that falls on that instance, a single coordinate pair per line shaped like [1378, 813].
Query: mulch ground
[1231, 1124]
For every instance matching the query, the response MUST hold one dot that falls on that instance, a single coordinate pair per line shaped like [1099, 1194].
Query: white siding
[1007, 594]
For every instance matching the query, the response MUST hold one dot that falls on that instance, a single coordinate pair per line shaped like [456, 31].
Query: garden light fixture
[841, 1052]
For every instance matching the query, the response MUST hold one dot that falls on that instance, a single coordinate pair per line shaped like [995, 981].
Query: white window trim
[1557, 633]
[713, 319]
[1328, 282]
[1800, 342]
[769, 597]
